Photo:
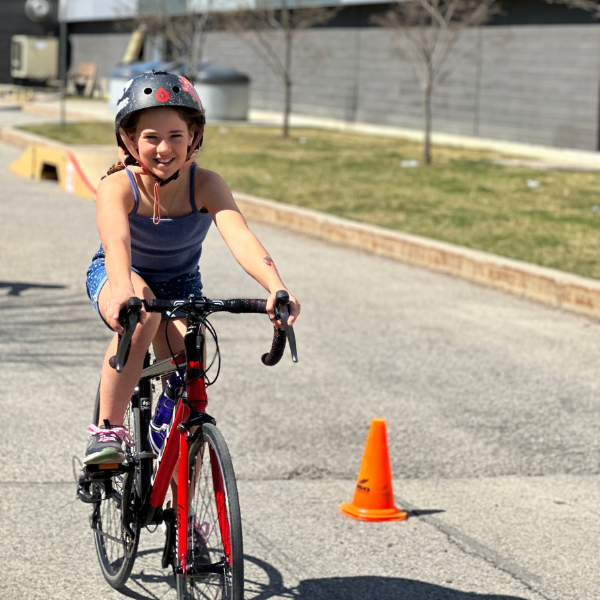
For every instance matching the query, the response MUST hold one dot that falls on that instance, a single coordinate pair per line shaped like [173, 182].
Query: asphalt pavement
[491, 404]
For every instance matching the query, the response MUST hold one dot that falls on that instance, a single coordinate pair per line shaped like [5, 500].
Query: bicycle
[204, 533]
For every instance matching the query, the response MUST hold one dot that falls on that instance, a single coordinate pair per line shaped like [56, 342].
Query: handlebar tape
[277, 349]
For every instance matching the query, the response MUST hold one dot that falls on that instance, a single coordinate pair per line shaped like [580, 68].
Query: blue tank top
[173, 247]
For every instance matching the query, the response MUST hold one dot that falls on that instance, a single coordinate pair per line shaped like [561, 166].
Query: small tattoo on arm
[268, 260]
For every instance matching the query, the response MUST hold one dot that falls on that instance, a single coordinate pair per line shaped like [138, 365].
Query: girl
[153, 217]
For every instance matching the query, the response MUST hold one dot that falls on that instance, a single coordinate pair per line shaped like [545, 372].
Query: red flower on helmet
[162, 95]
[190, 89]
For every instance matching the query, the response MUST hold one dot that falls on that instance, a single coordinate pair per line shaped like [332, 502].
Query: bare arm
[112, 208]
[215, 195]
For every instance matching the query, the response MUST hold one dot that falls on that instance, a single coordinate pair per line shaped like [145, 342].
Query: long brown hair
[194, 119]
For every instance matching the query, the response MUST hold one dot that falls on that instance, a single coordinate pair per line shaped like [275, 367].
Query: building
[14, 21]
[531, 75]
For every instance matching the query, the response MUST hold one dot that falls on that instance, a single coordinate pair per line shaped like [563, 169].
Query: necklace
[166, 209]
[158, 204]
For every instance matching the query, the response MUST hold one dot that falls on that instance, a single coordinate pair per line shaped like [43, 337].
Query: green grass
[463, 198]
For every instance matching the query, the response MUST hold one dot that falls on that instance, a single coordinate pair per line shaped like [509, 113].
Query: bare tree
[426, 32]
[181, 25]
[271, 32]
[590, 6]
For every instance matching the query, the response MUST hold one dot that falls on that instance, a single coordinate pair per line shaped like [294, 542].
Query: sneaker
[106, 444]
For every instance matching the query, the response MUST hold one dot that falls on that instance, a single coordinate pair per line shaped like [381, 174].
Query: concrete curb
[23, 139]
[78, 168]
[548, 286]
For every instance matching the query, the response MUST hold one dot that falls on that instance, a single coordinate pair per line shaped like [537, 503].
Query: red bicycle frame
[177, 448]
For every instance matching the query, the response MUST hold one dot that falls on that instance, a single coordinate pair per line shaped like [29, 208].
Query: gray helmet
[158, 88]
[150, 90]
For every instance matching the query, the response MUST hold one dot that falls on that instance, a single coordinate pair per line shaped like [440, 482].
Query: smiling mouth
[163, 163]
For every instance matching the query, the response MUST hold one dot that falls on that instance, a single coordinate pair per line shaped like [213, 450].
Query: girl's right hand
[116, 302]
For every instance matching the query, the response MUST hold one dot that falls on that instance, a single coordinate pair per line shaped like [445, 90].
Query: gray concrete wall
[540, 85]
[104, 49]
[536, 84]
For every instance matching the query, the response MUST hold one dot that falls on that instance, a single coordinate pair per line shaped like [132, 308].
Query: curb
[73, 165]
[548, 286]
[23, 139]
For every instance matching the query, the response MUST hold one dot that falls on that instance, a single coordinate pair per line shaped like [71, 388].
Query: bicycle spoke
[211, 541]
[116, 545]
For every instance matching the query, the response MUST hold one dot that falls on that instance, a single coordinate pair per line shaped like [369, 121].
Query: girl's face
[162, 139]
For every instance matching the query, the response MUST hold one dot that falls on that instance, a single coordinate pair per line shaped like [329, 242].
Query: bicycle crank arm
[85, 494]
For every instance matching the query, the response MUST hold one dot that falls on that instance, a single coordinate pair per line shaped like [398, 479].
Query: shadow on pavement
[148, 577]
[382, 588]
[264, 582]
[355, 588]
[16, 287]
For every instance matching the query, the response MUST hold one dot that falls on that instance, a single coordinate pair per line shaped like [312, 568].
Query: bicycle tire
[116, 541]
[214, 508]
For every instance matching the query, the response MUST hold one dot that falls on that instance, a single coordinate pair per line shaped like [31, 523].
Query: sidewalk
[82, 110]
[548, 286]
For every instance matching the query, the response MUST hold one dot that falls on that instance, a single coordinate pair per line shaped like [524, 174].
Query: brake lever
[134, 306]
[282, 312]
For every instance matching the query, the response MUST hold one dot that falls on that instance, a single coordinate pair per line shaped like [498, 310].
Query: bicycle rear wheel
[215, 525]
[116, 534]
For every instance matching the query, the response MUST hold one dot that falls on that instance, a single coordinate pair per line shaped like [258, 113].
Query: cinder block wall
[540, 85]
[534, 84]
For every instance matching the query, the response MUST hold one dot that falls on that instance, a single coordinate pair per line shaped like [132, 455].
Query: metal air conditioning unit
[33, 57]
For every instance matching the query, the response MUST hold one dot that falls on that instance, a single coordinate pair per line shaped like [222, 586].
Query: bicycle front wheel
[116, 533]
[215, 526]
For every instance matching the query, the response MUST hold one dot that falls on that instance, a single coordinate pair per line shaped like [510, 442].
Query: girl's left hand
[294, 309]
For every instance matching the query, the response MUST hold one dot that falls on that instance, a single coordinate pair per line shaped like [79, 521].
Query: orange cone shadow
[374, 497]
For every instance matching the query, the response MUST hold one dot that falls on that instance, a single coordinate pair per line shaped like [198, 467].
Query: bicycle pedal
[105, 472]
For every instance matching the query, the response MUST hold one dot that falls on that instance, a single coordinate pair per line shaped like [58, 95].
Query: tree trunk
[287, 105]
[287, 108]
[427, 89]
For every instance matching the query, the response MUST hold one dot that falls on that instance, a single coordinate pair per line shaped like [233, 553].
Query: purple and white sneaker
[106, 444]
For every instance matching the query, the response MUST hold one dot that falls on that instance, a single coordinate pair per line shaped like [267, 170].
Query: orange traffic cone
[374, 497]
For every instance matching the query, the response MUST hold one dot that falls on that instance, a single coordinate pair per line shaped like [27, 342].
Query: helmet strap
[159, 182]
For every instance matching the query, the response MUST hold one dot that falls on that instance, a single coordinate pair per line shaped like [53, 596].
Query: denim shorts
[178, 288]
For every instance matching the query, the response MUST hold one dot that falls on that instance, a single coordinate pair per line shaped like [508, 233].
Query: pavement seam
[473, 547]
[269, 546]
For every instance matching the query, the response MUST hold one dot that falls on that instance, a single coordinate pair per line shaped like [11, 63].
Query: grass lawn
[463, 198]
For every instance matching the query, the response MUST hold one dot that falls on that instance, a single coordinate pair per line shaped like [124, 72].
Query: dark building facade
[531, 75]
[14, 21]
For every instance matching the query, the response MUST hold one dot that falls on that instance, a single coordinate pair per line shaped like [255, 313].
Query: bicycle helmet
[150, 90]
